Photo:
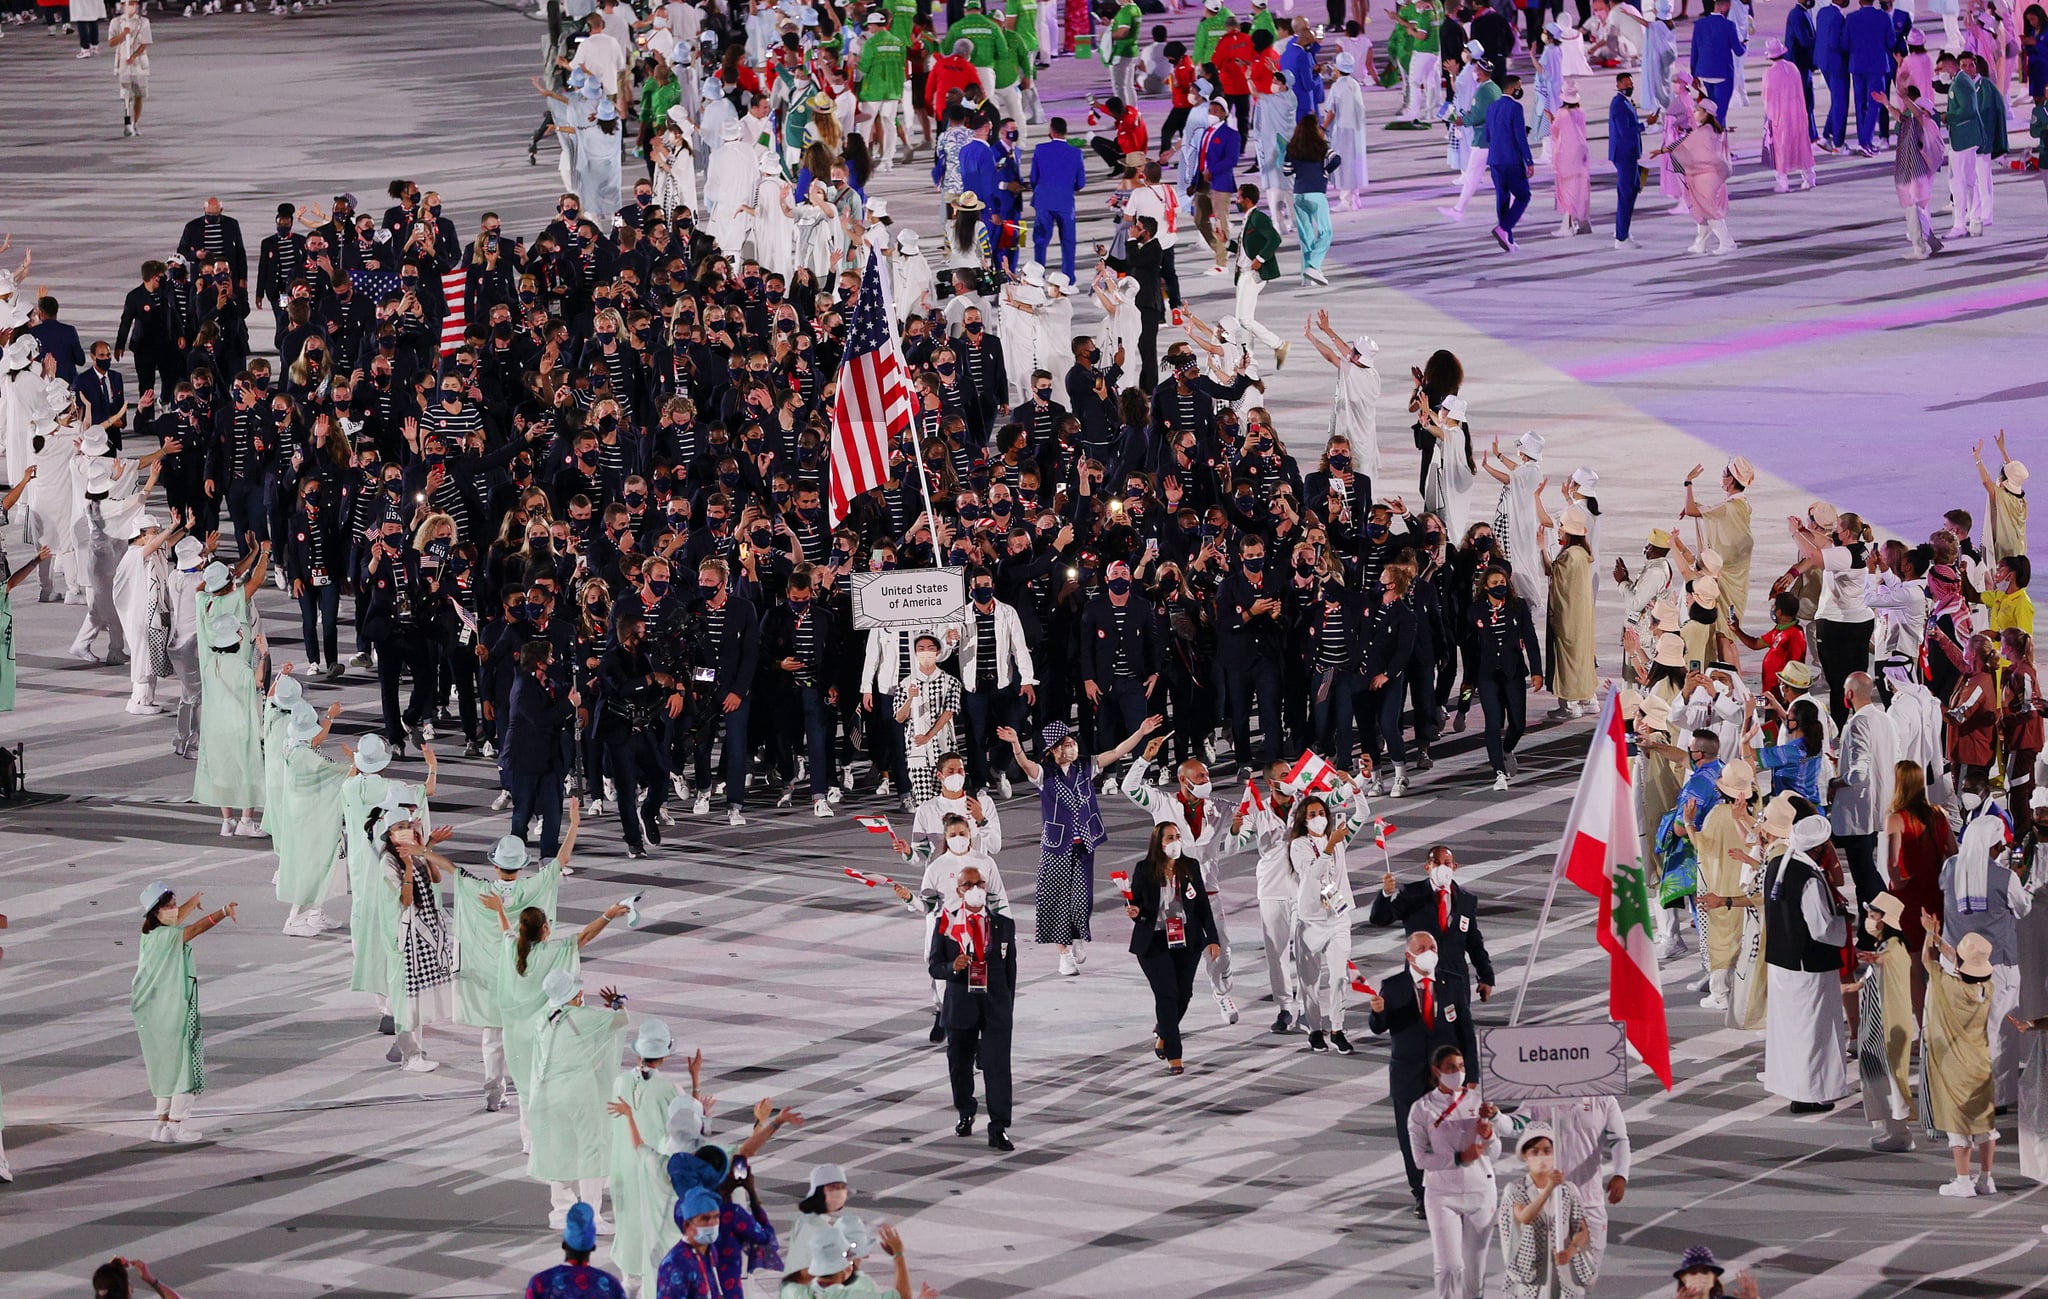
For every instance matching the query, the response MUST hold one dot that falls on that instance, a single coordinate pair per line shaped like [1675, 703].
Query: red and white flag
[1601, 853]
[1251, 800]
[1381, 830]
[1312, 775]
[1358, 983]
[870, 880]
[455, 291]
[871, 408]
[1122, 880]
[873, 824]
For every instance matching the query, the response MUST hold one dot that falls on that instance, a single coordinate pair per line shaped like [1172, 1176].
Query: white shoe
[680, 787]
[1315, 273]
[1713, 1003]
[702, 807]
[1500, 781]
[887, 788]
[161, 1132]
[300, 927]
[1226, 1007]
[1003, 784]
[733, 817]
[185, 1134]
[788, 798]
[127, 128]
[558, 1220]
[664, 816]
[502, 801]
[611, 791]
[6, 1170]
[420, 1064]
[1067, 965]
[832, 795]
[1109, 785]
[1374, 786]
[227, 827]
[1620, 244]
[322, 922]
[820, 808]
[1398, 785]
[247, 828]
[1985, 1186]
[596, 808]
[604, 1227]
[1080, 951]
[1958, 1188]
[85, 54]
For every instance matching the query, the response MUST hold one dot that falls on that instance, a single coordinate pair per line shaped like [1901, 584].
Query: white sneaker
[1713, 1003]
[227, 827]
[161, 1131]
[611, 791]
[300, 927]
[820, 808]
[1374, 786]
[596, 808]
[247, 828]
[733, 817]
[1985, 1186]
[322, 922]
[6, 1170]
[1398, 785]
[1500, 781]
[558, 1220]
[702, 807]
[420, 1064]
[1080, 951]
[664, 816]
[886, 788]
[1958, 1188]
[1003, 784]
[1226, 1007]
[1067, 965]
[185, 1134]
[1109, 784]
[681, 788]
[832, 795]
[502, 801]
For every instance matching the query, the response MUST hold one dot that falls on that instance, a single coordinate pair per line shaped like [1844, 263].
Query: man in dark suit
[145, 329]
[1509, 159]
[974, 953]
[100, 385]
[1801, 41]
[1120, 654]
[213, 235]
[1421, 1016]
[532, 761]
[1625, 151]
[1868, 31]
[1445, 910]
[60, 341]
[1251, 623]
[1058, 173]
[729, 645]
[1831, 56]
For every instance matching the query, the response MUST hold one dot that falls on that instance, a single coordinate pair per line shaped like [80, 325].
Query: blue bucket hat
[695, 1202]
[580, 1234]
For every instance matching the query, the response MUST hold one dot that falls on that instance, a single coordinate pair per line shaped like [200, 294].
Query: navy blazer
[1414, 907]
[1507, 134]
[964, 1008]
[1870, 35]
[533, 732]
[1717, 47]
[1831, 41]
[1219, 159]
[1624, 133]
[1058, 172]
[1800, 37]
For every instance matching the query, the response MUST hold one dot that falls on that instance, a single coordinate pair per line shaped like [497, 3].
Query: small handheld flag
[1381, 831]
[1122, 880]
[1358, 983]
[870, 880]
[873, 824]
[1311, 774]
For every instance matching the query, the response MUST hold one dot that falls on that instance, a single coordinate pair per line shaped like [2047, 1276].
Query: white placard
[909, 598]
[1533, 1062]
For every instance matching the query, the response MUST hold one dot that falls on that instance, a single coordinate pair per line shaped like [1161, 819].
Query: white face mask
[167, 915]
[1440, 876]
[1200, 791]
[1317, 824]
[975, 898]
[954, 782]
[1424, 962]
[927, 663]
[1451, 1079]
[958, 844]
[1541, 1164]
[1171, 848]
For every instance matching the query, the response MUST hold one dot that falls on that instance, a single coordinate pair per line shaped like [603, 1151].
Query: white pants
[494, 1056]
[988, 81]
[1010, 103]
[1460, 1230]
[1969, 177]
[1322, 948]
[877, 120]
[1048, 31]
[1218, 965]
[175, 1108]
[1276, 920]
[1425, 87]
[1248, 287]
[562, 1196]
[1593, 1195]
[1918, 226]
[2005, 1039]
[1474, 175]
[1123, 79]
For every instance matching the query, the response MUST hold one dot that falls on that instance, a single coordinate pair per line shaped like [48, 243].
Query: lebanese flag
[1380, 830]
[867, 879]
[873, 824]
[1311, 774]
[1122, 881]
[1358, 983]
[1601, 853]
[1251, 800]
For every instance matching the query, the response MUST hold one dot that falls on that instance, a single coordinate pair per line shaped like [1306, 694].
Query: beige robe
[1720, 836]
[1573, 674]
[1728, 535]
[1888, 1082]
[1957, 1053]
[2008, 532]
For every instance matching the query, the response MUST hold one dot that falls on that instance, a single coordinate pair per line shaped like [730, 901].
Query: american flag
[374, 285]
[454, 289]
[873, 403]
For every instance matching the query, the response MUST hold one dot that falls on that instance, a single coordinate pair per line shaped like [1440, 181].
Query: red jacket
[1262, 70]
[1130, 132]
[1184, 83]
[1233, 58]
[949, 72]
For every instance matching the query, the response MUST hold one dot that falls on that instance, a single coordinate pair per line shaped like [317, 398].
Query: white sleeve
[1822, 921]
[2016, 895]
[1615, 1139]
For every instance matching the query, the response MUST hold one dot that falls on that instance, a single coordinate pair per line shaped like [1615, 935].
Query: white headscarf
[1972, 884]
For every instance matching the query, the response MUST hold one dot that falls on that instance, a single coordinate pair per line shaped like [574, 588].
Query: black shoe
[652, 824]
[964, 1128]
[471, 750]
[1812, 1107]
[1420, 1211]
[999, 1140]
[1423, 762]
[1176, 1069]
[387, 1026]
[1283, 1023]
[635, 851]
[1158, 1048]
[1315, 1041]
[1338, 1040]
[938, 1033]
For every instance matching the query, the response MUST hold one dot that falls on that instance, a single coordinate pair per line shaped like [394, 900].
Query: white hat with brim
[824, 1175]
[224, 629]
[287, 691]
[830, 1252]
[769, 166]
[1530, 444]
[2014, 473]
[93, 442]
[99, 475]
[1670, 651]
[1454, 408]
[1057, 279]
[1034, 273]
[1797, 674]
[13, 314]
[1973, 956]
[1535, 1132]
[560, 988]
[509, 853]
[373, 754]
[153, 892]
[729, 132]
[906, 241]
[1346, 63]
[1585, 478]
[1364, 346]
[1779, 818]
[215, 575]
[1737, 780]
[653, 1041]
[304, 723]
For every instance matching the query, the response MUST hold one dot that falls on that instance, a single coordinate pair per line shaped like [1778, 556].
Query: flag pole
[1564, 848]
[924, 482]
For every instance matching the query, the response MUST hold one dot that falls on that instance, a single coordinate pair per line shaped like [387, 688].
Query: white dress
[1804, 1029]
[675, 180]
[1354, 413]
[774, 229]
[729, 186]
[820, 240]
[911, 283]
[1346, 107]
[1447, 486]
[1124, 329]
[1056, 338]
[1019, 332]
[1517, 507]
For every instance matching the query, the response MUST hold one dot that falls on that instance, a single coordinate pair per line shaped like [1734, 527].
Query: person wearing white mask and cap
[575, 1049]
[306, 830]
[142, 600]
[1452, 1132]
[729, 179]
[1956, 1060]
[100, 535]
[1021, 299]
[165, 1003]
[479, 939]
[372, 915]
[229, 772]
[643, 1200]
[822, 1213]
[1516, 513]
[912, 286]
[1805, 1033]
[1354, 404]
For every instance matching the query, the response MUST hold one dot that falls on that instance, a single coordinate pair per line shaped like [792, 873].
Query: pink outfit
[1917, 69]
[1785, 119]
[1678, 121]
[1569, 157]
[1703, 158]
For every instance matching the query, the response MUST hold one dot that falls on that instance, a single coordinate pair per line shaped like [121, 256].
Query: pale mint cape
[521, 1002]
[165, 1000]
[643, 1199]
[276, 721]
[480, 939]
[390, 921]
[576, 1049]
[372, 915]
[307, 834]
[229, 772]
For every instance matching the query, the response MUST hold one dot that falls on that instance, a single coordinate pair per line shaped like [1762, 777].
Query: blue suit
[1009, 204]
[1219, 159]
[1508, 158]
[1799, 49]
[1058, 172]
[1300, 66]
[1717, 51]
[1625, 151]
[1870, 35]
[1831, 48]
[978, 173]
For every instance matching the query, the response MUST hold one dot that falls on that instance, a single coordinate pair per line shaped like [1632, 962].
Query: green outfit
[229, 772]
[1130, 19]
[1026, 14]
[983, 31]
[372, 912]
[902, 18]
[1261, 240]
[1474, 118]
[521, 1003]
[1208, 32]
[276, 720]
[575, 1051]
[643, 1199]
[6, 650]
[656, 99]
[480, 940]
[165, 999]
[1011, 59]
[884, 63]
[308, 831]
[1966, 101]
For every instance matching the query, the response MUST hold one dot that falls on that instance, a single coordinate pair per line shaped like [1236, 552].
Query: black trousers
[1844, 650]
[635, 759]
[1379, 720]
[1260, 681]
[987, 709]
[986, 1047]
[1404, 1094]
[1171, 972]
[402, 651]
[1149, 317]
[1859, 853]
[1505, 703]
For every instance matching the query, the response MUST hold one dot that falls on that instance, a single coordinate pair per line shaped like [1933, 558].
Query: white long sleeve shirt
[1870, 750]
[1436, 1144]
[928, 824]
[1590, 1135]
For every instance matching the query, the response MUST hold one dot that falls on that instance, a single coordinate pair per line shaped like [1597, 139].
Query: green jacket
[656, 99]
[882, 61]
[1026, 14]
[1132, 19]
[1967, 97]
[1011, 58]
[983, 31]
[1475, 117]
[1263, 20]
[1260, 240]
[902, 17]
[1207, 33]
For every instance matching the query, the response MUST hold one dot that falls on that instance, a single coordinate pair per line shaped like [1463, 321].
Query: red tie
[974, 928]
[1428, 1004]
[1443, 911]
